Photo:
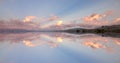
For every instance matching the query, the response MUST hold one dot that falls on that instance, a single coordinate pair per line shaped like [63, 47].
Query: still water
[58, 48]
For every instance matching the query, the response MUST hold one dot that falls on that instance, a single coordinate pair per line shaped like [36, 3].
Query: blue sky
[17, 9]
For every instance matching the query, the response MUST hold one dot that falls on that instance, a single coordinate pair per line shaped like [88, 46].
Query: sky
[66, 9]
[57, 12]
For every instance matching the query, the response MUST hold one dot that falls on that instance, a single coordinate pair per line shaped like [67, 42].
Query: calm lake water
[58, 48]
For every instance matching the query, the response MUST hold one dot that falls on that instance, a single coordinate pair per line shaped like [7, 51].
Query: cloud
[29, 18]
[17, 24]
[116, 20]
[93, 17]
[52, 18]
[105, 19]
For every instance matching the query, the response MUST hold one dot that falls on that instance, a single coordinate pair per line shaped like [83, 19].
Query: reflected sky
[58, 47]
[29, 31]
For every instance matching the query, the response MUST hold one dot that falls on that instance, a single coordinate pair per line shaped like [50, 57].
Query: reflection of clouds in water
[96, 42]
[55, 39]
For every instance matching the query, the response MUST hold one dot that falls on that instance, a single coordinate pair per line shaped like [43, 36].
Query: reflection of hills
[32, 38]
[112, 31]
[16, 37]
[8, 31]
